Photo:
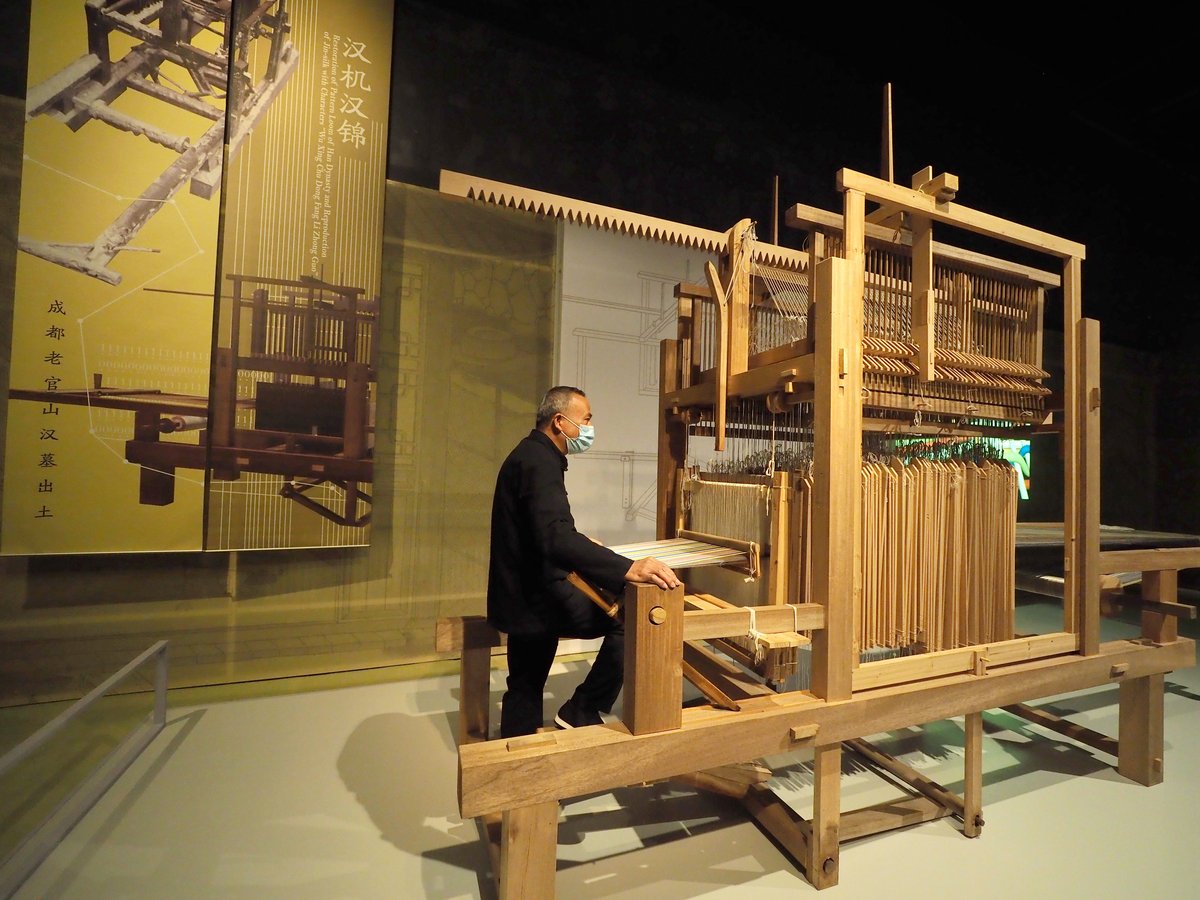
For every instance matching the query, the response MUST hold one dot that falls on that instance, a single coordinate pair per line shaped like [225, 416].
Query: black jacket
[535, 544]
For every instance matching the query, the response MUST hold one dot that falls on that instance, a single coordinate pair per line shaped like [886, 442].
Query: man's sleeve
[556, 535]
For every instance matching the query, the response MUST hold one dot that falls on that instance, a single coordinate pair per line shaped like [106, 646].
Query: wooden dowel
[612, 610]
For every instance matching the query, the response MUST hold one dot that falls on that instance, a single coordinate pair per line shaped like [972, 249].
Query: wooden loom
[292, 395]
[956, 370]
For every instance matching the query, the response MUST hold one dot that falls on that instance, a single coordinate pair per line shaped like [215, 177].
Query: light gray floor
[351, 794]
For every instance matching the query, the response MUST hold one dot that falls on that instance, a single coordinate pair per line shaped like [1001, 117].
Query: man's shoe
[571, 715]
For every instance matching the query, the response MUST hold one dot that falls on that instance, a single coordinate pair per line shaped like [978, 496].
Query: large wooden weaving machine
[854, 393]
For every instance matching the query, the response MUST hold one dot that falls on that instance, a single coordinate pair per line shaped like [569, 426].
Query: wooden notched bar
[872, 337]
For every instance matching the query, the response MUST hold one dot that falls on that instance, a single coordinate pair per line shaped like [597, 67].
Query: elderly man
[534, 546]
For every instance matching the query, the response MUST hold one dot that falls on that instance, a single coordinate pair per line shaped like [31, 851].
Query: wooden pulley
[777, 403]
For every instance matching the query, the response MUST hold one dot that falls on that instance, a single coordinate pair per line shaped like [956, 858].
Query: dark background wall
[689, 111]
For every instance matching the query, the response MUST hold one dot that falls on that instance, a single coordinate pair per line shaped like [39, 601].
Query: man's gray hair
[556, 401]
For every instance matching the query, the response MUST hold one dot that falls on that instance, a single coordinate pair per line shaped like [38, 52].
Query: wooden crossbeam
[896, 195]
[454, 633]
[802, 216]
[1157, 560]
[1073, 730]
[493, 778]
[961, 660]
[888, 816]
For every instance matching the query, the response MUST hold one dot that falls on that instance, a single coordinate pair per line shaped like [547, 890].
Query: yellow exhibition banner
[178, 153]
[297, 339]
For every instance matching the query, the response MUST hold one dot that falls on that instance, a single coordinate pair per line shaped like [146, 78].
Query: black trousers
[531, 655]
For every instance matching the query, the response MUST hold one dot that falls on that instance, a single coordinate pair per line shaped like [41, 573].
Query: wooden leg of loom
[823, 854]
[474, 687]
[490, 829]
[1140, 724]
[1160, 587]
[973, 774]
[1140, 747]
[528, 843]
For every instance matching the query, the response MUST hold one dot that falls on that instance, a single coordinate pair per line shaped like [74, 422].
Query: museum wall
[467, 327]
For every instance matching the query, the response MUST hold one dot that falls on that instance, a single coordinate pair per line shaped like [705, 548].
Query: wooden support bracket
[910, 776]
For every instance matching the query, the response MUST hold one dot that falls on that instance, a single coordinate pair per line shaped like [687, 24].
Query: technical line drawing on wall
[173, 40]
[618, 302]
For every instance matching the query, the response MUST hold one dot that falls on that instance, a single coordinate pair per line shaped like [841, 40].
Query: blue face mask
[587, 434]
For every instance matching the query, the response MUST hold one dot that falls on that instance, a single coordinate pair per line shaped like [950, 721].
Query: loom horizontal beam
[919, 203]
[1073, 730]
[961, 660]
[501, 775]
[754, 383]
[911, 404]
[453, 634]
[801, 216]
[1113, 561]
[895, 426]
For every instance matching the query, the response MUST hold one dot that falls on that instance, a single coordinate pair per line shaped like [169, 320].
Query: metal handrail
[21, 863]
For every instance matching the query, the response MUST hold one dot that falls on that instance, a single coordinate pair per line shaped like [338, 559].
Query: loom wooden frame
[514, 786]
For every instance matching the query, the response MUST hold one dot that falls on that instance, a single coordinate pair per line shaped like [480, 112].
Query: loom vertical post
[923, 300]
[1039, 304]
[528, 841]
[816, 253]
[780, 590]
[775, 211]
[474, 682]
[823, 851]
[737, 293]
[1140, 730]
[837, 455]
[1072, 470]
[685, 310]
[1160, 587]
[973, 774]
[1088, 469]
[721, 362]
[886, 169]
[672, 440]
[653, 659]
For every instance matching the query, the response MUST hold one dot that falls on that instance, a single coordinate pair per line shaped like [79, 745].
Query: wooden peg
[944, 187]
[802, 733]
[528, 741]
